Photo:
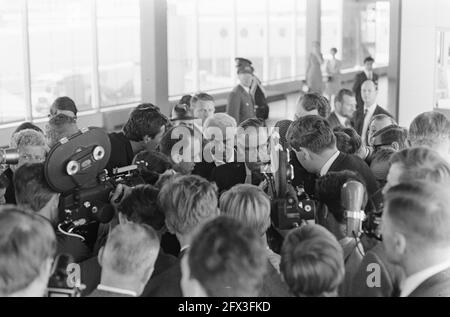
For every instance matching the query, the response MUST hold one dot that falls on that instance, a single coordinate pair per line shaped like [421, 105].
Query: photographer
[332, 217]
[143, 131]
[33, 193]
[27, 249]
[314, 145]
[65, 106]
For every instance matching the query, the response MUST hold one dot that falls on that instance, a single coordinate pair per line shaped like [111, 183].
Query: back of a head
[390, 135]
[228, 259]
[66, 105]
[145, 120]
[27, 246]
[328, 191]
[421, 211]
[221, 121]
[131, 250]
[314, 101]
[31, 187]
[185, 100]
[141, 207]
[28, 137]
[153, 161]
[188, 202]
[421, 163]
[381, 164]
[312, 262]
[343, 143]
[311, 132]
[350, 145]
[429, 129]
[28, 126]
[283, 127]
[249, 205]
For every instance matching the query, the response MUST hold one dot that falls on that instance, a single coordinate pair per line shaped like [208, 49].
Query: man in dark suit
[367, 74]
[416, 234]
[127, 261]
[241, 103]
[316, 154]
[345, 107]
[364, 115]
[188, 203]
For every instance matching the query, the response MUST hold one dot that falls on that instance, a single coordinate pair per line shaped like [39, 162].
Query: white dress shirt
[367, 118]
[327, 166]
[410, 284]
[116, 290]
[247, 89]
[369, 75]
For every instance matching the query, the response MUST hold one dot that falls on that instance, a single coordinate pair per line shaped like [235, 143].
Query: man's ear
[395, 146]
[100, 256]
[305, 154]
[400, 244]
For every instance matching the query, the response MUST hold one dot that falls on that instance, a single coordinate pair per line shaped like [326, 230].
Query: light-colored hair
[27, 241]
[312, 262]
[248, 204]
[429, 129]
[421, 210]
[221, 121]
[188, 202]
[131, 249]
[421, 163]
[28, 137]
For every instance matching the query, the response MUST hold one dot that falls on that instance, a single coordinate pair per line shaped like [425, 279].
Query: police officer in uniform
[248, 99]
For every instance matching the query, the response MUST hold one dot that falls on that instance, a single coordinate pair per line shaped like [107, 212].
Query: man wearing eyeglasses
[143, 131]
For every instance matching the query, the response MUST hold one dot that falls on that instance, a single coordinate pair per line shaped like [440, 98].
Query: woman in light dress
[334, 79]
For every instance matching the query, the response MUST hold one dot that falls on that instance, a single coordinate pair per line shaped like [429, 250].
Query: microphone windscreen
[352, 196]
[283, 127]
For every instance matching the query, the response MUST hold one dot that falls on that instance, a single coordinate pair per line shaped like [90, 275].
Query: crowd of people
[200, 223]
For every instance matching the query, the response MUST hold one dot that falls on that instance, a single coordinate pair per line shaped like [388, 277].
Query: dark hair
[342, 93]
[145, 120]
[31, 187]
[156, 164]
[173, 137]
[354, 141]
[311, 132]
[429, 129]
[28, 126]
[343, 143]
[389, 135]
[328, 191]
[201, 96]
[185, 100]
[4, 181]
[381, 164]
[252, 123]
[65, 104]
[369, 59]
[315, 101]
[334, 49]
[228, 259]
[141, 207]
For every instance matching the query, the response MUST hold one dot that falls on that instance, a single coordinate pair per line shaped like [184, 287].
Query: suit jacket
[240, 105]
[334, 122]
[99, 293]
[359, 118]
[359, 81]
[231, 174]
[436, 286]
[273, 285]
[343, 162]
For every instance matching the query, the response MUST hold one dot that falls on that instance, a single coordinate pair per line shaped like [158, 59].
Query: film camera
[75, 168]
[290, 207]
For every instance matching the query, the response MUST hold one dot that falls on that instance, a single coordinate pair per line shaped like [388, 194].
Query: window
[119, 51]
[60, 53]
[12, 94]
[357, 29]
[442, 82]
[204, 37]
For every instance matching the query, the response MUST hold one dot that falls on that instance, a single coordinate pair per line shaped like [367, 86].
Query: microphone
[353, 199]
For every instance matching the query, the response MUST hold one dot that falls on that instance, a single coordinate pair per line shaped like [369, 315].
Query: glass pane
[251, 37]
[301, 37]
[357, 29]
[281, 41]
[443, 71]
[181, 46]
[215, 44]
[60, 50]
[12, 101]
[119, 51]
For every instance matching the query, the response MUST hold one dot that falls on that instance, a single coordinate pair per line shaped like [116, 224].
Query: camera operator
[65, 106]
[27, 249]
[60, 126]
[332, 217]
[314, 145]
[226, 259]
[32, 148]
[312, 262]
[251, 206]
[127, 261]
[378, 123]
[33, 192]
[410, 165]
[143, 131]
